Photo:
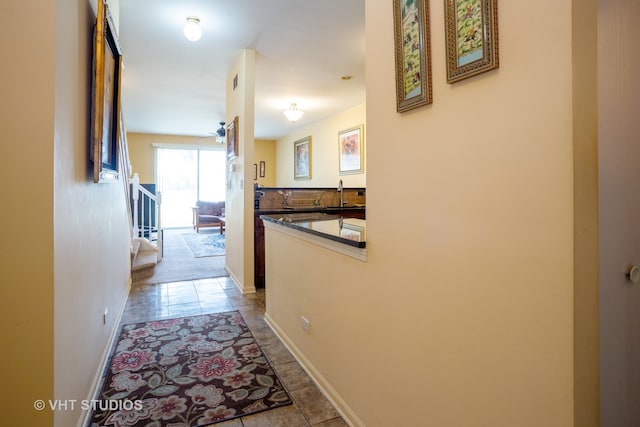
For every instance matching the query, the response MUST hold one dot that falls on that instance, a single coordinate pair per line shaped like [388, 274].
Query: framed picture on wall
[472, 37]
[413, 54]
[351, 150]
[232, 139]
[105, 106]
[302, 159]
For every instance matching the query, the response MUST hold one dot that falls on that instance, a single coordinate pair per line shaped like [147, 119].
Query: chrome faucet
[341, 190]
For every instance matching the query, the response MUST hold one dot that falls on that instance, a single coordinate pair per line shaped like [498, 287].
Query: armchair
[208, 214]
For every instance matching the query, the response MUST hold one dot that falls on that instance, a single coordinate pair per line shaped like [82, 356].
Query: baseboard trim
[85, 418]
[329, 392]
[237, 282]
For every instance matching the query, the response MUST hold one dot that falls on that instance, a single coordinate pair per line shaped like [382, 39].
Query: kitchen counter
[353, 209]
[349, 210]
[348, 231]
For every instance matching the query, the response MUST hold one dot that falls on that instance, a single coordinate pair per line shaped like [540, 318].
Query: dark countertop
[287, 211]
[349, 231]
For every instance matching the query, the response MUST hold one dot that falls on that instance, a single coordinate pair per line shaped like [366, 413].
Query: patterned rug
[204, 244]
[191, 371]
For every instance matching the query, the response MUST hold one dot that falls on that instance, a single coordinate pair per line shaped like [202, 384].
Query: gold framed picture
[472, 38]
[105, 106]
[412, 53]
[232, 139]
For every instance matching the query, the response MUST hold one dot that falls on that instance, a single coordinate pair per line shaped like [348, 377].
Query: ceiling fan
[220, 134]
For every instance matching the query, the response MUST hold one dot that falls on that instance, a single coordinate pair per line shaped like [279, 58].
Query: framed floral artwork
[412, 53]
[351, 150]
[472, 38]
[302, 159]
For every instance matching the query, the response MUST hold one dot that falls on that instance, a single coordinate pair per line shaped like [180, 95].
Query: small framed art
[351, 150]
[302, 159]
[413, 54]
[472, 37]
[232, 139]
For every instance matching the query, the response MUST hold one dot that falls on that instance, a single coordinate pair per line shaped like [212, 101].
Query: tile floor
[193, 297]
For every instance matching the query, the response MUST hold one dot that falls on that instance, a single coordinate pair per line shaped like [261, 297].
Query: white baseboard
[238, 283]
[85, 417]
[329, 392]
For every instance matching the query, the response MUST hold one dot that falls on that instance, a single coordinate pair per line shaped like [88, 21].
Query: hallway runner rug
[204, 245]
[190, 371]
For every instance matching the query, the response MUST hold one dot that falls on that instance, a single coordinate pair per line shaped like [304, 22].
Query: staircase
[146, 240]
[144, 257]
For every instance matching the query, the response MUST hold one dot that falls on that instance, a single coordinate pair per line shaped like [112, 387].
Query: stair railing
[146, 208]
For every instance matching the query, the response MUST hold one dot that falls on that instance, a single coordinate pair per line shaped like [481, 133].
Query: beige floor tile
[236, 422]
[276, 352]
[293, 376]
[286, 416]
[312, 403]
[335, 422]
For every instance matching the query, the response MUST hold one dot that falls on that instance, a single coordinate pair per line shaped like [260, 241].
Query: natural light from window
[186, 176]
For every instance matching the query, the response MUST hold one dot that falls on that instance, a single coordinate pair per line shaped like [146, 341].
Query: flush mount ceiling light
[293, 114]
[192, 30]
[220, 134]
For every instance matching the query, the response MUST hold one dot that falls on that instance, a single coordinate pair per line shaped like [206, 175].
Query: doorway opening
[186, 175]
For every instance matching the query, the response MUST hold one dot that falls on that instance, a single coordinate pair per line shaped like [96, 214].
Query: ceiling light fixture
[293, 114]
[220, 134]
[192, 30]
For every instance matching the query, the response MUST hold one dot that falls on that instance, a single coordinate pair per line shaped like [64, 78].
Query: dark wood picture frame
[472, 38]
[232, 139]
[105, 106]
[412, 54]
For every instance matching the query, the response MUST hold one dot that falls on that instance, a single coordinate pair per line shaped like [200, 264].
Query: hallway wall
[91, 237]
[27, 172]
[66, 251]
[466, 299]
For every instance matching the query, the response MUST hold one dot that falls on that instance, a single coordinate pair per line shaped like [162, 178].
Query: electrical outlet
[104, 315]
[305, 323]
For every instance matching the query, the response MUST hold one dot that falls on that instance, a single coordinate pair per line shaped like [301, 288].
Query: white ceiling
[303, 47]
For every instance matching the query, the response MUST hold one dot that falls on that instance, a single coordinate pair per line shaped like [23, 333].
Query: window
[186, 175]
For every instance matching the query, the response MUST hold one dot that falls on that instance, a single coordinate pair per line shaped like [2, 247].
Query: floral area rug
[203, 245]
[191, 371]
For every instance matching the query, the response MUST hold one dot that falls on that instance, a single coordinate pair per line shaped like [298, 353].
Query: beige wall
[239, 203]
[463, 313]
[585, 155]
[324, 152]
[142, 152]
[27, 171]
[265, 150]
[91, 229]
[69, 243]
